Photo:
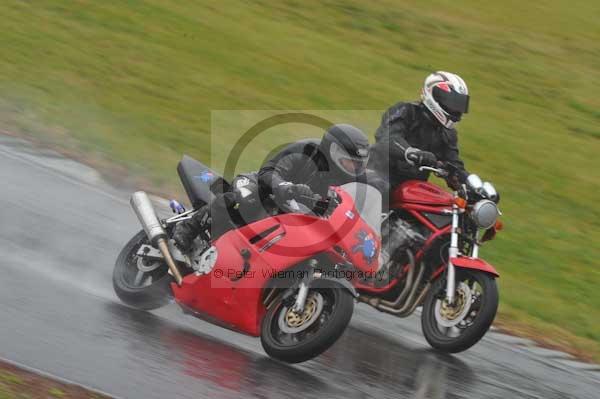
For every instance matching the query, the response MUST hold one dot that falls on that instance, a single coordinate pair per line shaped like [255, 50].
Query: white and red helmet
[447, 97]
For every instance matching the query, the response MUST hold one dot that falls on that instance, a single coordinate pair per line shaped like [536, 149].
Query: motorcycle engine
[399, 235]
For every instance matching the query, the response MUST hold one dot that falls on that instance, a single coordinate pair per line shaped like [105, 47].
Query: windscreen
[367, 200]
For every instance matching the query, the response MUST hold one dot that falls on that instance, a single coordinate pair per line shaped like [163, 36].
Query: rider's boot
[186, 231]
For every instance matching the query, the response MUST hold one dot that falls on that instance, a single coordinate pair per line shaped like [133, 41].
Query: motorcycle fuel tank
[421, 192]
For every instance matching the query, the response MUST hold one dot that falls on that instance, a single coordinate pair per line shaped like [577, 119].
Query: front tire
[294, 338]
[455, 329]
[138, 284]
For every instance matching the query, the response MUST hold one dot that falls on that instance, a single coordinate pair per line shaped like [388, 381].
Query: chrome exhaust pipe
[377, 302]
[403, 306]
[407, 287]
[402, 311]
[141, 204]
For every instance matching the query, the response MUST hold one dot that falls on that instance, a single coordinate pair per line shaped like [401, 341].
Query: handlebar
[438, 171]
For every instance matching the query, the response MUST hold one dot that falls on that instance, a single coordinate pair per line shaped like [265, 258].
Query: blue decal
[207, 176]
[367, 245]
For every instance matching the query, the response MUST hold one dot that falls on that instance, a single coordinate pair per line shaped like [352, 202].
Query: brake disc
[291, 322]
[450, 315]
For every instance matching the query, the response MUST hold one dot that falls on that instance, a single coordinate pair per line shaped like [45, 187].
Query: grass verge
[16, 383]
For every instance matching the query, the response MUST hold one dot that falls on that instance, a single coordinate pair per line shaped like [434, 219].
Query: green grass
[133, 82]
[10, 378]
[19, 384]
[56, 393]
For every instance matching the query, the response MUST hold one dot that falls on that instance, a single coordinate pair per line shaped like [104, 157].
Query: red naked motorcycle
[439, 267]
[285, 277]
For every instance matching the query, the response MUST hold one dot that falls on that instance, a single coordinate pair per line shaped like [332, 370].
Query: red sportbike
[285, 277]
[292, 277]
[438, 265]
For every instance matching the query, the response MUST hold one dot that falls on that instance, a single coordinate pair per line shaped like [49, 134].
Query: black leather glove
[303, 193]
[422, 158]
[299, 192]
[283, 192]
[453, 182]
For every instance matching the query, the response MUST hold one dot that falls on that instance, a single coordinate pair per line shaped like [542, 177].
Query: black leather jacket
[407, 125]
[301, 163]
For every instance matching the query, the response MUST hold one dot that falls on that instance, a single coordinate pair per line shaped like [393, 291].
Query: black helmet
[346, 148]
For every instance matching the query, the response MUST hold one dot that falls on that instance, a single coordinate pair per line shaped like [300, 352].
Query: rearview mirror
[474, 182]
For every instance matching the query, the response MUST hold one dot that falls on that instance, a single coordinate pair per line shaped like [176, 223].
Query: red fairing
[420, 192]
[474, 263]
[234, 297]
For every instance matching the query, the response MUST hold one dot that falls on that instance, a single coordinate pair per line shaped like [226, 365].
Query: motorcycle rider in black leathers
[299, 171]
[309, 167]
[415, 134]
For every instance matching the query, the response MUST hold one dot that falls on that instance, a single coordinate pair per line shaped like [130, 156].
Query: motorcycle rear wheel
[141, 286]
[478, 317]
[297, 338]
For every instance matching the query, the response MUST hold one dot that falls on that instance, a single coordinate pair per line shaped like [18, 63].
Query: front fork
[452, 253]
[298, 307]
[302, 294]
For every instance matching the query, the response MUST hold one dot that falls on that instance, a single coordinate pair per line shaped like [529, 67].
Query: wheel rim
[291, 322]
[141, 273]
[289, 329]
[452, 321]
[447, 315]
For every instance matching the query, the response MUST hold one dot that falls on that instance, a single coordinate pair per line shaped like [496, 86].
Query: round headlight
[485, 213]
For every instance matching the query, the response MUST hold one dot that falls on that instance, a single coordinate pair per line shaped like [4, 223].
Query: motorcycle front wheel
[455, 328]
[294, 338]
[138, 283]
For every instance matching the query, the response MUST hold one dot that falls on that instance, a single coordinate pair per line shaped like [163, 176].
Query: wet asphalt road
[61, 227]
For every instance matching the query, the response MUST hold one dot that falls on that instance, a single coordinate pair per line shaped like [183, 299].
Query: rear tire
[329, 325]
[484, 304]
[150, 290]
